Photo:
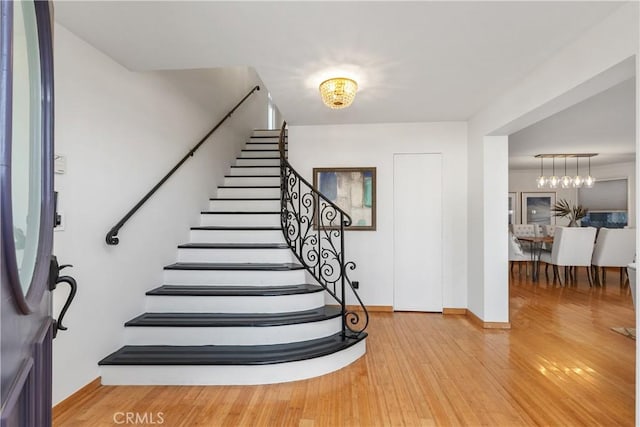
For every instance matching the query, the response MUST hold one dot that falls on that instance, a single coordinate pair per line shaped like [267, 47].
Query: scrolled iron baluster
[353, 317]
[313, 227]
[310, 254]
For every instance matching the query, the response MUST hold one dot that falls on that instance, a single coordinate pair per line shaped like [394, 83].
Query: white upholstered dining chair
[548, 230]
[572, 247]
[615, 247]
[525, 230]
[518, 255]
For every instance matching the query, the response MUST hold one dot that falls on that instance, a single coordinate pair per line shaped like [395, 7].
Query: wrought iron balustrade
[314, 226]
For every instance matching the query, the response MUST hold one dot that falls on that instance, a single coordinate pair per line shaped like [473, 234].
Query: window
[607, 203]
[271, 114]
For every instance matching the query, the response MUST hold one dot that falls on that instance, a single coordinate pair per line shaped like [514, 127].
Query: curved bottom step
[230, 365]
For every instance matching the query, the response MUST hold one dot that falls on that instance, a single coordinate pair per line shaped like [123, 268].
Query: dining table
[536, 244]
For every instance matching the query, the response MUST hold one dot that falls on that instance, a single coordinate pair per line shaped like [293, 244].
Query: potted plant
[574, 213]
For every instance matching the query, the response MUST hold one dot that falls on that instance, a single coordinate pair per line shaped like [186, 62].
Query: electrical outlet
[355, 284]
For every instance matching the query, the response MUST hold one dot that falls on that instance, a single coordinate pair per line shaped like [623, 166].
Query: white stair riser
[257, 162]
[231, 374]
[264, 145]
[264, 137]
[236, 236]
[234, 277]
[269, 132]
[267, 170]
[242, 205]
[266, 220]
[235, 255]
[248, 192]
[234, 304]
[230, 335]
[258, 180]
[248, 153]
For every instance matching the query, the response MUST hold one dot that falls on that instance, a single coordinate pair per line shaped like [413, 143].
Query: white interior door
[417, 232]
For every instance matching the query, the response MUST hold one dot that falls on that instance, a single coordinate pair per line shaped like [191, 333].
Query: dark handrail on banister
[303, 212]
[111, 237]
[284, 160]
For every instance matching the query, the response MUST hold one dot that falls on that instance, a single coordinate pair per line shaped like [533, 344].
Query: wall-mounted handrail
[111, 237]
[313, 227]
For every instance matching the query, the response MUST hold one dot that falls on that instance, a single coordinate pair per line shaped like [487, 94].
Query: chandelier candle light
[566, 181]
[338, 92]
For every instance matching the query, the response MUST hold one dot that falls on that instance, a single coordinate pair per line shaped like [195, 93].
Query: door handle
[54, 280]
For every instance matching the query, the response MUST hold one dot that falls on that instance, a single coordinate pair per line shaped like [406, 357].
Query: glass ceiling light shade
[565, 181]
[577, 180]
[338, 92]
[541, 180]
[554, 180]
[589, 180]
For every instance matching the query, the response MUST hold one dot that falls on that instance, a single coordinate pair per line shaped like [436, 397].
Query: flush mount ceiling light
[338, 92]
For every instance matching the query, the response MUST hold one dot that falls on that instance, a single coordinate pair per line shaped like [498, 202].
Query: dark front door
[26, 210]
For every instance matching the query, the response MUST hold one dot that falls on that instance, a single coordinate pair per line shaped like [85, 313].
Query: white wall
[544, 92]
[524, 180]
[121, 132]
[375, 145]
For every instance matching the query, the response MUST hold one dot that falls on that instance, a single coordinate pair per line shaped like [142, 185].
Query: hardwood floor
[560, 364]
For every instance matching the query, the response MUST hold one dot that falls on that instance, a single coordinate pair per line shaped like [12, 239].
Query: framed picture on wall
[536, 207]
[514, 213]
[353, 190]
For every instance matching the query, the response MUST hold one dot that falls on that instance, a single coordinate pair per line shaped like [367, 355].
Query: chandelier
[565, 181]
[338, 92]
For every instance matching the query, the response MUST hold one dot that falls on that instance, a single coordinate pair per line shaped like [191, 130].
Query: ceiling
[414, 61]
[604, 124]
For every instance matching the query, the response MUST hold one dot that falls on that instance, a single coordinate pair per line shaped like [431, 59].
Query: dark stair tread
[202, 290]
[281, 266]
[249, 186]
[240, 212]
[234, 319]
[230, 354]
[240, 227]
[245, 198]
[252, 176]
[258, 166]
[233, 246]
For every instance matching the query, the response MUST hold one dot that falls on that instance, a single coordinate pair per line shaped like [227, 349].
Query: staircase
[236, 307]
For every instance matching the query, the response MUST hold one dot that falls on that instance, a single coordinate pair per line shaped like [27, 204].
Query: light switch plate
[59, 164]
